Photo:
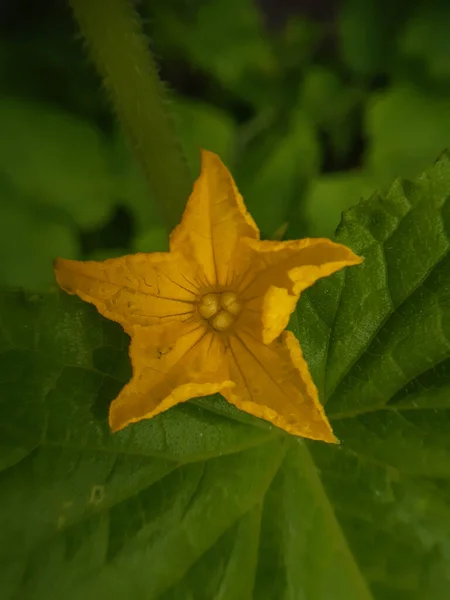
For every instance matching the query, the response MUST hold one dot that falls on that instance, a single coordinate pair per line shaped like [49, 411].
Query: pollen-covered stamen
[208, 305]
[220, 309]
[230, 303]
[222, 321]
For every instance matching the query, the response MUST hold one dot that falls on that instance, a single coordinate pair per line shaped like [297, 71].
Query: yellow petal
[281, 271]
[213, 223]
[273, 382]
[139, 289]
[170, 365]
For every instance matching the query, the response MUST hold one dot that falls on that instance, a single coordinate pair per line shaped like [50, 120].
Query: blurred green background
[311, 104]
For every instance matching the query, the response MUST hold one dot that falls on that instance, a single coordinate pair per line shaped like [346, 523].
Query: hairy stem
[120, 51]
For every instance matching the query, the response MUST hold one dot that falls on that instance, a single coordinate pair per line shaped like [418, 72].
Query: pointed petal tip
[209, 160]
[57, 262]
[322, 432]
[208, 155]
[123, 413]
[324, 439]
[118, 418]
[116, 425]
[349, 256]
[55, 266]
[357, 260]
[59, 266]
[343, 253]
[332, 439]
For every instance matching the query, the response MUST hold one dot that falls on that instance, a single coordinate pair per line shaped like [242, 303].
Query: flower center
[220, 309]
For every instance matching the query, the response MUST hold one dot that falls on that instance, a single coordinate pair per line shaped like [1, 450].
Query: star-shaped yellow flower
[209, 315]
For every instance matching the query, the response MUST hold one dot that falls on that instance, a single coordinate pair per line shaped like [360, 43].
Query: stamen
[222, 320]
[208, 305]
[220, 309]
[230, 303]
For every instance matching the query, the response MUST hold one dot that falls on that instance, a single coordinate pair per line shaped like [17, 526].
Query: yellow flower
[209, 315]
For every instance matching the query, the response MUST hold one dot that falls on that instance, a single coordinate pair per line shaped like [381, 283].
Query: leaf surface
[56, 160]
[405, 146]
[205, 502]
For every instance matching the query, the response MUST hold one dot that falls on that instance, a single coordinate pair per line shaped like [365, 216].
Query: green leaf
[407, 129]
[131, 187]
[204, 501]
[425, 39]
[368, 32]
[225, 38]
[331, 105]
[296, 43]
[273, 177]
[377, 339]
[200, 125]
[29, 243]
[153, 240]
[331, 194]
[55, 160]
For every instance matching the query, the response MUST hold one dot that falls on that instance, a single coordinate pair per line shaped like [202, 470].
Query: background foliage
[312, 107]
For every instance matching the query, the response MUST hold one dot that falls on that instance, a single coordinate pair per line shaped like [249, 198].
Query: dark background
[312, 105]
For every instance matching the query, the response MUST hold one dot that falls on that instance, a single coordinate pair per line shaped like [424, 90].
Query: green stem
[121, 54]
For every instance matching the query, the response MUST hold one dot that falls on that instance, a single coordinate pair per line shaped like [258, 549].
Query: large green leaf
[29, 241]
[205, 502]
[425, 38]
[407, 128]
[367, 34]
[225, 38]
[56, 161]
[336, 117]
[274, 173]
[131, 188]
[201, 125]
[329, 195]
[377, 339]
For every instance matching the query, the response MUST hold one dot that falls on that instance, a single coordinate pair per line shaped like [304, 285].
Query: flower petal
[282, 270]
[213, 223]
[139, 289]
[170, 365]
[273, 382]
